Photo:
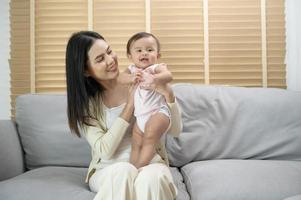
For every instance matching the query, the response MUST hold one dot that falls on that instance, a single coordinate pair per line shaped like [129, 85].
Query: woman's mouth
[112, 69]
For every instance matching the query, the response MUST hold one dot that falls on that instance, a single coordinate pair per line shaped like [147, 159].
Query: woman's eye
[99, 60]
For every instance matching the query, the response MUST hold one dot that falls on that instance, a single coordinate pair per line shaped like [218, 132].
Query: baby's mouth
[144, 59]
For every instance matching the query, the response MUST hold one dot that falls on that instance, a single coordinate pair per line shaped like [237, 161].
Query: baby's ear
[159, 55]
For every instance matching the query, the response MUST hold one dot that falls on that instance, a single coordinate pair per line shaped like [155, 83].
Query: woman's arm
[105, 142]
[176, 120]
[128, 110]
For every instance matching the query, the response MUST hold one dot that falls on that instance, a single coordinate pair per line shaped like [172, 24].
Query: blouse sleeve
[176, 121]
[104, 144]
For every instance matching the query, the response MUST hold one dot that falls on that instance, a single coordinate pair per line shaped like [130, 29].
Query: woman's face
[102, 63]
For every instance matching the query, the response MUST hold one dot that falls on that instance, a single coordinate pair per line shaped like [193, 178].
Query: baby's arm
[162, 74]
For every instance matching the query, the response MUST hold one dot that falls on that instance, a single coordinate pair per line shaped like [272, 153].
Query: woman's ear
[86, 69]
[86, 73]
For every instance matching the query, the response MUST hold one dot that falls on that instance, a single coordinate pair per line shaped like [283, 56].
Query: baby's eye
[149, 50]
[139, 50]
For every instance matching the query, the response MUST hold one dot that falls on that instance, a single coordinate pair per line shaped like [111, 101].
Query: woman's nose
[109, 60]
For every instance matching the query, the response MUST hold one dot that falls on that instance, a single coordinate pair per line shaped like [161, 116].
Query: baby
[151, 110]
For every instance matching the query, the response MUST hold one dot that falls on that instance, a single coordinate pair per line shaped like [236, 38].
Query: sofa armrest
[11, 154]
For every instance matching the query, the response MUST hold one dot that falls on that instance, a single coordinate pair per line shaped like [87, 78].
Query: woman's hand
[131, 92]
[137, 76]
[128, 110]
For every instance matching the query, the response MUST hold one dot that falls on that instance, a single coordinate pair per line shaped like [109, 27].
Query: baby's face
[144, 52]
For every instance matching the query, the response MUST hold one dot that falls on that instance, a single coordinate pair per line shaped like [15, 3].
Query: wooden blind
[276, 43]
[243, 41]
[55, 21]
[235, 42]
[179, 26]
[117, 21]
[19, 52]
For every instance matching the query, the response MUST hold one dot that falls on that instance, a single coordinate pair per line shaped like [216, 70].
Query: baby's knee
[154, 132]
[151, 138]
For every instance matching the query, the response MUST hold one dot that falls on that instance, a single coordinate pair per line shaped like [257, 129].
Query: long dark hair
[81, 90]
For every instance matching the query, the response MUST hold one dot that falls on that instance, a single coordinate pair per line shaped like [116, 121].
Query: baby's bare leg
[154, 129]
[136, 144]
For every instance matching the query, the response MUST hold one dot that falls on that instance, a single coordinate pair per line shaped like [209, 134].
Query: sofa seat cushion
[47, 183]
[242, 179]
[61, 183]
[179, 182]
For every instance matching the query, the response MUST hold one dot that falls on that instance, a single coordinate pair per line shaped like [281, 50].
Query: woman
[102, 107]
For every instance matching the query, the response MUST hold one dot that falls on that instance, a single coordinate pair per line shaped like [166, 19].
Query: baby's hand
[162, 65]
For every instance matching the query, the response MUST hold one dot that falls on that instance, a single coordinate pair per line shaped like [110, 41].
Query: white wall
[4, 56]
[293, 44]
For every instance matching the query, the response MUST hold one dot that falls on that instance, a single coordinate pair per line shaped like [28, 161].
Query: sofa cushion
[45, 135]
[11, 155]
[179, 182]
[222, 122]
[296, 197]
[242, 179]
[61, 183]
[47, 183]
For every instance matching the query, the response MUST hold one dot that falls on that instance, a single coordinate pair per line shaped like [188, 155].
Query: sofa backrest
[236, 123]
[45, 136]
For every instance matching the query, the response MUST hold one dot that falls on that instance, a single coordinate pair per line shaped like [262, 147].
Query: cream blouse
[114, 144]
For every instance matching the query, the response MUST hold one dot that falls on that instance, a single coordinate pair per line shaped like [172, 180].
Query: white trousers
[122, 181]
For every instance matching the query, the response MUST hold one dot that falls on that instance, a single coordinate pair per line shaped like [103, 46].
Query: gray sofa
[237, 144]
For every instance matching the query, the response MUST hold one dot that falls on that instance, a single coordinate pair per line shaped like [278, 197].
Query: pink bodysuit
[147, 102]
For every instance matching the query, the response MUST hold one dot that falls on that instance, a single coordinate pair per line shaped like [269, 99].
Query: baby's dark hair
[138, 36]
